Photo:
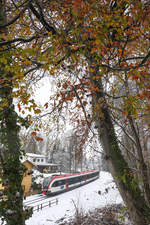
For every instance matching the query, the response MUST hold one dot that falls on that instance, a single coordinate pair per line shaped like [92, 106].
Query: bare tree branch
[40, 17]
[16, 17]
[23, 40]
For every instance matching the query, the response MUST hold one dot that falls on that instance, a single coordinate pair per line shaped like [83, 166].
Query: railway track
[35, 200]
[38, 204]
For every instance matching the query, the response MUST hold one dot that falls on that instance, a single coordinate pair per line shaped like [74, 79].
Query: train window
[55, 184]
[83, 178]
[46, 181]
[88, 176]
[77, 179]
[58, 183]
[62, 182]
[73, 180]
[80, 178]
[70, 180]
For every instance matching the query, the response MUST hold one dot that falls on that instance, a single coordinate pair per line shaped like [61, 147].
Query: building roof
[35, 155]
[26, 160]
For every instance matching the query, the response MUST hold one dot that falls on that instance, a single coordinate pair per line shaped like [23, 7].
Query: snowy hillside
[97, 194]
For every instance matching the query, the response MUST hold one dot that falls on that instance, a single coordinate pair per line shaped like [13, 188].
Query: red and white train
[61, 183]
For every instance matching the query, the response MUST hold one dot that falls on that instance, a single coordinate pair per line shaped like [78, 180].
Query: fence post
[41, 206]
[56, 201]
[37, 207]
[49, 203]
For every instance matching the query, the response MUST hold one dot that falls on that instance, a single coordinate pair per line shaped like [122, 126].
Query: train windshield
[46, 182]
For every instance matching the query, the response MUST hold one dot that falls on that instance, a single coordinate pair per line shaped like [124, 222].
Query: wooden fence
[45, 204]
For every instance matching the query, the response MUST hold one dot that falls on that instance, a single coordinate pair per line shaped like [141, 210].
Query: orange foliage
[46, 105]
[39, 139]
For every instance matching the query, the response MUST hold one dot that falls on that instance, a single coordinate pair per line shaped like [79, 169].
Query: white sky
[43, 89]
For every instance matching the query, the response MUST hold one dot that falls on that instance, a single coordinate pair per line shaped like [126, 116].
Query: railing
[38, 199]
[45, 204]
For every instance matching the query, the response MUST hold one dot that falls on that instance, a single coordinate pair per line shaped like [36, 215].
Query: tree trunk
[143, 167]
[11, 209]
[128, 187]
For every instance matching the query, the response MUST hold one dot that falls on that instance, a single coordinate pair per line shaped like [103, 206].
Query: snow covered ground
[100, 193]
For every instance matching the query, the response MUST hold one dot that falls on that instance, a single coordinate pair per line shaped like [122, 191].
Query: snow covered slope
[96, 194]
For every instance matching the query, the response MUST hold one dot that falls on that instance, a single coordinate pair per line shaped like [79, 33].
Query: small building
[27, 179]
[35, 158]
[41, 163]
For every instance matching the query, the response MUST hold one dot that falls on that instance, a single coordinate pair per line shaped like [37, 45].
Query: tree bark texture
[129, 189]
[11, 209]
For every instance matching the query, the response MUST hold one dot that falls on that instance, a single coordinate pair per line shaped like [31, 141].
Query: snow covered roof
[35, 155]
[46, 164]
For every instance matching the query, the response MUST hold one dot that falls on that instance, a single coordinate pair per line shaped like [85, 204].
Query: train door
[67, 184]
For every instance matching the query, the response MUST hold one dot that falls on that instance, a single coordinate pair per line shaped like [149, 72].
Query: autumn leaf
[83, 122]
[46, 105]
[19, 107]
[124, 113]
[65, 85]
[78, 106]
[74, 47]
[92, 70]
[37, 111]
[39, 139]
[141, 95]
[58, 84]
[30, 122]
[128, 102]
[85, 103]
[33, 133]
[97, 42]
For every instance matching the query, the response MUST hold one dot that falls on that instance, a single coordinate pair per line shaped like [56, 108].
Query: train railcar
[61, 183]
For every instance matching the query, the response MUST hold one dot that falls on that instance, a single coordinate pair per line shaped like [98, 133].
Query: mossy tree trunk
[128, 187]
[11, 208]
